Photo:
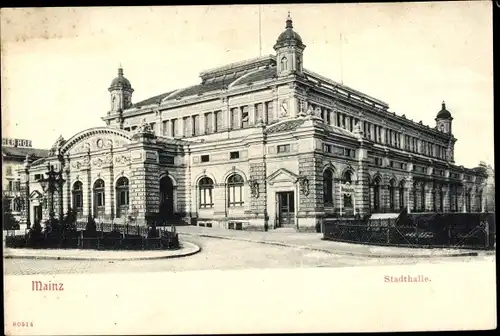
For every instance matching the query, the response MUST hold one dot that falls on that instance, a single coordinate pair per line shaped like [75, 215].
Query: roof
[289, 35]
[240, 78]
[339, 130]
[153, 100]
[285, 126]
[20, 152]
[120, 81]
[443, 113]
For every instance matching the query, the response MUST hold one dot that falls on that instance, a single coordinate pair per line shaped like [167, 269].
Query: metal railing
[456, 230]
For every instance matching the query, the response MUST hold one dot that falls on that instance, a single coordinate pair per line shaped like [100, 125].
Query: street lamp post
[53, 182]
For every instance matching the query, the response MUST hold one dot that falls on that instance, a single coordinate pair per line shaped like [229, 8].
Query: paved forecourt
[314, 241]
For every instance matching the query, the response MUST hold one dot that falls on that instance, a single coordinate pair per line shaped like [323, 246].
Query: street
[217, 254]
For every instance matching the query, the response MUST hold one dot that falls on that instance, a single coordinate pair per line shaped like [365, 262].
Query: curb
[191, 249]
[340, 252]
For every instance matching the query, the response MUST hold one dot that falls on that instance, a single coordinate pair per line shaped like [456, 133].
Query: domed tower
[121, 93]
[289, 51]
[443, 120]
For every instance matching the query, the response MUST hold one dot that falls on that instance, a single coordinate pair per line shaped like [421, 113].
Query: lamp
[44, 182]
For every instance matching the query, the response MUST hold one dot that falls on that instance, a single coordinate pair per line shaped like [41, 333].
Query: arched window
[99, 194]
[328, 187]
[235, 190]
[392, 192]
[284, 64]
[206, 187]
[122, 196]
[376, 194]
[78, 196]
[401, 195]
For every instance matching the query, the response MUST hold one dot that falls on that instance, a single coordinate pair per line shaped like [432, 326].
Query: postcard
[248, 169]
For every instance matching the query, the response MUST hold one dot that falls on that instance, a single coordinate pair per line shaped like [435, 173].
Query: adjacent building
[262, 142]
[14, 152]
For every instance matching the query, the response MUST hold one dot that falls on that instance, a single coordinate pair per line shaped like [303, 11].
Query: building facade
[14, 152]
[262, 142]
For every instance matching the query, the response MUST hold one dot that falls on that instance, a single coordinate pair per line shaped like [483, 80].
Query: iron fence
[97, 240]
[450, 230]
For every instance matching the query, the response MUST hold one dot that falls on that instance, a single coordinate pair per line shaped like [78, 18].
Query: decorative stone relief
[304, 185]
[98, 162]
[254, 188]
[123, 159]
[108, 159]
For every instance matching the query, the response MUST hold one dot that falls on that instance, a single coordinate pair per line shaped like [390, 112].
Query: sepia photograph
[248, 168]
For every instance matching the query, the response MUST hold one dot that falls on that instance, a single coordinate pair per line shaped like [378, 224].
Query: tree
[9, 222]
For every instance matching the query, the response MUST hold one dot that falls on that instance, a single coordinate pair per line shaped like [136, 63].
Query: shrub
[69, 221]
[91, 227]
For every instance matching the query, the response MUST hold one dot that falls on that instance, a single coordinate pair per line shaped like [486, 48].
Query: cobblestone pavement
[215, 254]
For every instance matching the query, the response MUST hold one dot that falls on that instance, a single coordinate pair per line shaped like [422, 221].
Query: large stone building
[14, 152]
[259, 142]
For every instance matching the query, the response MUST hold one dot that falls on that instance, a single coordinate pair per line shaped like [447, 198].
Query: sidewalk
[186, 249]
[313, 241]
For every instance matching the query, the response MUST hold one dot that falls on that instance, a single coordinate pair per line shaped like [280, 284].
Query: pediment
[35, 194]
[282, 175]
[95, 139]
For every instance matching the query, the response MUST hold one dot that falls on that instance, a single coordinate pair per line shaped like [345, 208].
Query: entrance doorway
[286, 209]
[166, 198]
[37, 213]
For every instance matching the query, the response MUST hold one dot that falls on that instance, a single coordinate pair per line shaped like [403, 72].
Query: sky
[57, 63]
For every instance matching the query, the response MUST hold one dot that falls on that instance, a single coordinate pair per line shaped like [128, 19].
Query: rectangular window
[173, 125]
[328, 117]
[244, 117]
[391, 164]
[208, 123]
[327, 148]
[283, 148]
[269, 112]
[218, 121]
[205, 158]
[196, 125]
[234, 118]
[259, 112]
[165, 128]
[187, 126]
[234, 155]
[351, 124]
[323, 115]
[153, 125]
[339, 124]
[347, 152]
[343, 121]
